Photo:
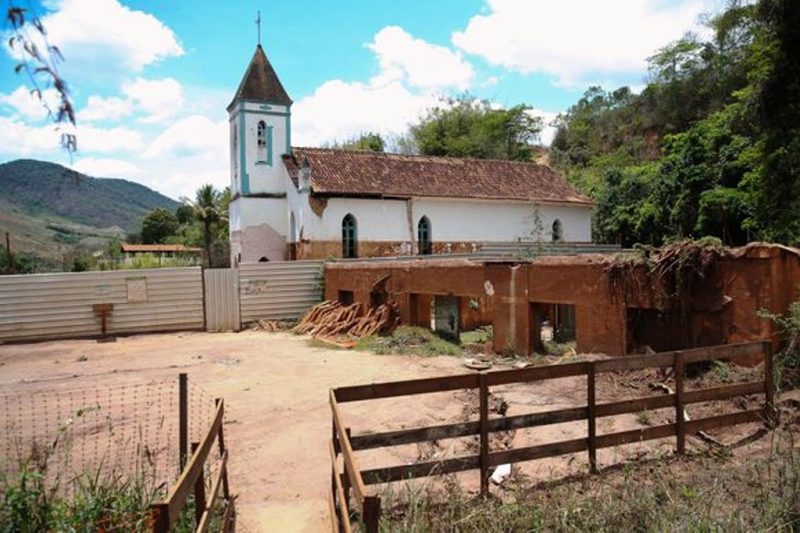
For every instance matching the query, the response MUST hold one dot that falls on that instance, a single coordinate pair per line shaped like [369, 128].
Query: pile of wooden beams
[331, 319]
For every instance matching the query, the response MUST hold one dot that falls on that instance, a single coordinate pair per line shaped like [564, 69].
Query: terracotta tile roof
[260, 82]
[155, 248]
[355, 173]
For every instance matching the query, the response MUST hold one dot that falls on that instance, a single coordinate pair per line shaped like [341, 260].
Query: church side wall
[258, 229]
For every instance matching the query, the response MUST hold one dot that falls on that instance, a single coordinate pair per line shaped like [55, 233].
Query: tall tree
[208, 210]
[157, 225]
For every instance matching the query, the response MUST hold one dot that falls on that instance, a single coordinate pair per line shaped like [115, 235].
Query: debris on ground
[340, 324]
[500, 474]
[479, 363]
[272, 325]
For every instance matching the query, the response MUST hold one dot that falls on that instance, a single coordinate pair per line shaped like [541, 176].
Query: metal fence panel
[279, 290]
[43, 306]
[222, 299]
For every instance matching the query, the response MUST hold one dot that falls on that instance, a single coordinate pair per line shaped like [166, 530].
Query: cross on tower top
[258, 24]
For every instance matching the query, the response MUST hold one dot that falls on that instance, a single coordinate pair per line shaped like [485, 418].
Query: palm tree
[207, 209]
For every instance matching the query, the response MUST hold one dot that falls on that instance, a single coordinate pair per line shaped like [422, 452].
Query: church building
[311, 203]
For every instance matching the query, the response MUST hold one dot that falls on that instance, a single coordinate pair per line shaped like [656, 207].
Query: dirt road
[275, 387]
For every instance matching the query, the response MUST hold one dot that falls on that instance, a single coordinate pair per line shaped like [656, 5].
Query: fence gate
[222, 299]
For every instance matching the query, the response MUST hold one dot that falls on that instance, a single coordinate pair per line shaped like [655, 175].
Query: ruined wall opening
[346, 297]
[552, 323]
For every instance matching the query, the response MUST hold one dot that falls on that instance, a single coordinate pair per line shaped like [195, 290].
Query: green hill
[50, 210]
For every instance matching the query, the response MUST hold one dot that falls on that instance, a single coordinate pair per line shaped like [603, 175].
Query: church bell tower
[260, 134]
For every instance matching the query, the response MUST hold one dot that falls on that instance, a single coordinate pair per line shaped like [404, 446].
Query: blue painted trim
[269, 145]
[245, 178]
[289, 134]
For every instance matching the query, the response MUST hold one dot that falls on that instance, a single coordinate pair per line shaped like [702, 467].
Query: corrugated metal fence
[279, 290]
[222, 299]
[42, 306]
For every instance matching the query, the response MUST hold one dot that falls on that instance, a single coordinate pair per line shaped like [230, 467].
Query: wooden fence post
[372, 513]
[346, 484]
[680, 429]
[159, 518]
[591, 412]
[199, 492]
[183, 420]
[483, 392]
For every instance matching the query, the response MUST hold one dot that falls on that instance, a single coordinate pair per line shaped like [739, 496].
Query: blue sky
[151, 79]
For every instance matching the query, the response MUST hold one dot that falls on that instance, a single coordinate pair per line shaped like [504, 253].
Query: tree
[207, 208]
[467, 127]
[369, 142]
[157, 225]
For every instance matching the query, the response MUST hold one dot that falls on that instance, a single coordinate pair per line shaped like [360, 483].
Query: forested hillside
[711, 146]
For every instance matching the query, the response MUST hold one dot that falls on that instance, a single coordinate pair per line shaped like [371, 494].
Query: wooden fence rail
[350, 478]
[164, 515]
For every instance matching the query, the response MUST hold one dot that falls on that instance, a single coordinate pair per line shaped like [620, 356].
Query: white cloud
[421, 64]
[104, 140]
[20, 139]
[159, 99]
[94, 33]
[99, 108]
[339, 111]
[548, 130]
[27, 105]
[106, 168]
[576, 40]
[195, 136]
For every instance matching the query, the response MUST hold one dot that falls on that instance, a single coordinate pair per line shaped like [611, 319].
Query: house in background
[311, 203]
[162, 251]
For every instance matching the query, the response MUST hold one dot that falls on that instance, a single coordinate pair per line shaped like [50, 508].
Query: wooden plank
[432, 468]
[539, 373]
[338, 489]
[393, 389]
[541, 451]
[722, 393]
[636, 406]
[720, 421]
[635, 363]
[228, 516]
[483, 396]
[332, 513]
[591, 418]
[176, 499]
[183, 420]
[725, 351]
[636, 435]
[770, 412]
[350, 462]
[464, 429]
[226, 491]
[214, 494]
[680, 430]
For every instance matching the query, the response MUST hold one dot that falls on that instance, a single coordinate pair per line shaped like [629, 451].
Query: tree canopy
[468, 127]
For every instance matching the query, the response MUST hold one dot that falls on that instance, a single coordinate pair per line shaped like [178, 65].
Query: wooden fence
[351, 478]
[164, 515]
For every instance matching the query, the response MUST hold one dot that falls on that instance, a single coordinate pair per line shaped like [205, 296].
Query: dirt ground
[275, 386]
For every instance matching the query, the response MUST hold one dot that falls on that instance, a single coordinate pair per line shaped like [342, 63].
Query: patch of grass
[480, 335]
[704, 493]
[559, 348]
[643, 417]
[409, 340]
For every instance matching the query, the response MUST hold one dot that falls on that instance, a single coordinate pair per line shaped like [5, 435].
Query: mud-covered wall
[723, 307]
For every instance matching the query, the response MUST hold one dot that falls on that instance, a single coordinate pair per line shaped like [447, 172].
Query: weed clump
[409, 340]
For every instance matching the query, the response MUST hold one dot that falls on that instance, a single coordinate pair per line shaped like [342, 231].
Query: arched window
[262, 140]
[349, 237]
[424, 236]
[558, 231]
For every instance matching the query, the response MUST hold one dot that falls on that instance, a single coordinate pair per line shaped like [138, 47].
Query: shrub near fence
[351, 478]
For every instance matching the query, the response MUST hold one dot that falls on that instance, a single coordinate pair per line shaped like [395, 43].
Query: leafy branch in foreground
[40, 63]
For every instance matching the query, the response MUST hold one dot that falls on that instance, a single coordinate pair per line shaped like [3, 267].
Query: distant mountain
[50, 209]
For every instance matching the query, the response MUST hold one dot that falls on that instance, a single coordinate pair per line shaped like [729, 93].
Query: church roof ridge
[260, 82]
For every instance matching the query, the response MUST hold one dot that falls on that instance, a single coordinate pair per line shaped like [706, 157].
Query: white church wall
[498, 221]
[264, 173]
[258, 229]
[376, 220]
